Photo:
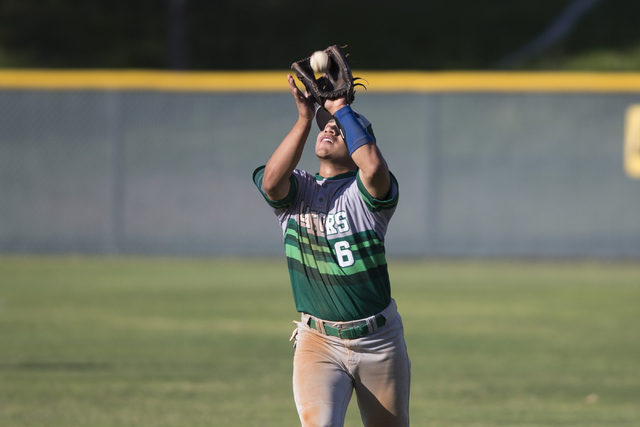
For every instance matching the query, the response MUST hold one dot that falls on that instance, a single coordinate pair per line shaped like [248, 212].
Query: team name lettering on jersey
[332, 223]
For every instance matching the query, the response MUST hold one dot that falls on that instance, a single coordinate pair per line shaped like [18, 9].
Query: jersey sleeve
[377, 205]
[258, 174]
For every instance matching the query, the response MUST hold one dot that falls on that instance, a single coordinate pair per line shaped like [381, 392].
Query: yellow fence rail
[275, 81]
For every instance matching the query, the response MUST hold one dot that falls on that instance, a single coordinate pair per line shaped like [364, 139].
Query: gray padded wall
[481, 174]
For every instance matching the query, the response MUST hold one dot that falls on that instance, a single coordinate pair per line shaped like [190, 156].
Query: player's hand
[306, 109]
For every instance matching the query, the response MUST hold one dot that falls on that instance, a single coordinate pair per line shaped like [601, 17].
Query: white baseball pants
[327, 369]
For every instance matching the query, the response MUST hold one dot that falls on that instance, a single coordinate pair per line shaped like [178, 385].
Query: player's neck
[330, 169]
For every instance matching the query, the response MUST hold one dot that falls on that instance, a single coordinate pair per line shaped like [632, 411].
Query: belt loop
[390, 312]
[320, 326]
[372, 324]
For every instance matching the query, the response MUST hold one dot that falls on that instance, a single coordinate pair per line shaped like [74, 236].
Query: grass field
[204, 342]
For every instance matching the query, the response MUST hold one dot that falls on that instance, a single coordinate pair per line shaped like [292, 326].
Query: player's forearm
[373, 170]
[284, 160]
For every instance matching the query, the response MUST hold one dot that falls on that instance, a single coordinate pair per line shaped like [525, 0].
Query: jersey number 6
[344, 254]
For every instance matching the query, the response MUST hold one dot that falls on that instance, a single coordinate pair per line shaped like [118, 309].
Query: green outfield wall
[489, 164]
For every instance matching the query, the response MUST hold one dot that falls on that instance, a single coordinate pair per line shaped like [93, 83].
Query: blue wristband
[353, 131]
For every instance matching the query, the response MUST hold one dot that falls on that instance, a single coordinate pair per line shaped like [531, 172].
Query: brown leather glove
[336, 82]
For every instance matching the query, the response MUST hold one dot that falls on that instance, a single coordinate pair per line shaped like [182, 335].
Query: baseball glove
[336, 82]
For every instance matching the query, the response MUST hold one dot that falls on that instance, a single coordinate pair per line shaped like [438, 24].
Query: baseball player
[350, 336]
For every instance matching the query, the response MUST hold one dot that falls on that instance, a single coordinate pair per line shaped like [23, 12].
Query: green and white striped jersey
[334, 243]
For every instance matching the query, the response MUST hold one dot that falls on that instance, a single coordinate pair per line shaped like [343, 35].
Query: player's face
[329, 144]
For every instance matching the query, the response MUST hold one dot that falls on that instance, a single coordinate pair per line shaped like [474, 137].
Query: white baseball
[319, 61]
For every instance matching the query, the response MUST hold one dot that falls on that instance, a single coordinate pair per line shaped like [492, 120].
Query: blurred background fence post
[114, 128]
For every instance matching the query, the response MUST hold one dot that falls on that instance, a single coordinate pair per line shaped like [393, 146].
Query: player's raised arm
[374, 172]
[283, 161]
